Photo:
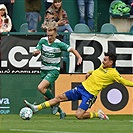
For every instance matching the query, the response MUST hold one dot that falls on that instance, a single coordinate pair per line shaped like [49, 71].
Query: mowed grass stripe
[52, 124]
[41, 131]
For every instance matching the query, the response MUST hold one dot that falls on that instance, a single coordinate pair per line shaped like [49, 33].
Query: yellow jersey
[101, 78]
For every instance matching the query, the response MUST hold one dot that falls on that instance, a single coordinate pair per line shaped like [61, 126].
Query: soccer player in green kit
[95, 82]
[51, 49]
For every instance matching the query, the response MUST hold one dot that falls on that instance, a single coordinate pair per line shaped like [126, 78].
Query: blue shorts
[80, 93]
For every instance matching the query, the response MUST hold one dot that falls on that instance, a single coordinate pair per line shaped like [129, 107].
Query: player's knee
[42, 90]
[79, 116]
[57, 99]
[60, 98]
[39, 88]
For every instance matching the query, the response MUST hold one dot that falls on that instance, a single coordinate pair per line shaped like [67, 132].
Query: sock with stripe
[93, 115]
[49, 95]
[43, 105]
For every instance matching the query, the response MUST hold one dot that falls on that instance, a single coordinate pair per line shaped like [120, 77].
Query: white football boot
[102, 116]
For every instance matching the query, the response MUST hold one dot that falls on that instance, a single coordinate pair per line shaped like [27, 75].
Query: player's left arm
[126, 82]
[76, 53]
[118, 78]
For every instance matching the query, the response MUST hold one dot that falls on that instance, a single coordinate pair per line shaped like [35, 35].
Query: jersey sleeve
[64, 46]
[118, 78]
[39, 45]
[90, 72]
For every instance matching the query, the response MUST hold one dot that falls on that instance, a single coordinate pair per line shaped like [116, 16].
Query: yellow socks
[93, 115]
[43, 105]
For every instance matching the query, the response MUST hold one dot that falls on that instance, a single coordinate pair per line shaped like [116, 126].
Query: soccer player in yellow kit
[95, 82]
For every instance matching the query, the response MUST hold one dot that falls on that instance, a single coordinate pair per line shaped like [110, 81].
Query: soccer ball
[26, 113]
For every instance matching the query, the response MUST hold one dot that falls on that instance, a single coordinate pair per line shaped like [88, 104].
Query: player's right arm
[38, 48]
[36, 52]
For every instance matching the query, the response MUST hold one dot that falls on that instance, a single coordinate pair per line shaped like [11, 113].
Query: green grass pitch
[48, 123]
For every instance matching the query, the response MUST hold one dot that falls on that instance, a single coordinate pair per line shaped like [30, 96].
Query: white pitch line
[40, 131]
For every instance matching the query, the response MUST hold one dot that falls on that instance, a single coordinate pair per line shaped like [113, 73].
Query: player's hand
[79, 61]
[87, 75]
[35, 53]
[61, 22]
[12, 1]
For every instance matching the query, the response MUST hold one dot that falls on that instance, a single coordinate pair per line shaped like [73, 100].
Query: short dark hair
[112, 57]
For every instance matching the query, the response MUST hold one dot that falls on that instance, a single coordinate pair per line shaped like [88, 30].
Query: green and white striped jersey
[51, 53]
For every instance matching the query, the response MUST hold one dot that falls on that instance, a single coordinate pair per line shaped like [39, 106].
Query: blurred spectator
[131, 12]
[9, 6]
[48, 19]
[48, 3]
[0, 20]
[60, 16]
[32, 9]
[86, 9]
[5, 24]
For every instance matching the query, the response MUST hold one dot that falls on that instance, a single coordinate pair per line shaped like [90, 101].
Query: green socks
[48, 94]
